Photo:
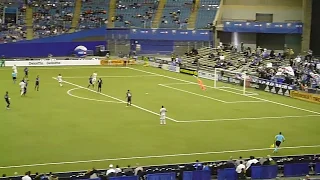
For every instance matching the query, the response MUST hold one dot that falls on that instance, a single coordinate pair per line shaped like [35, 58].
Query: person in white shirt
[27, 176]
[60, 80]
[94, 77]
[22, 85]
[111, 170]
[14, 69]
[250, 162]
[163, 112]
[117, 170]
[240, 167]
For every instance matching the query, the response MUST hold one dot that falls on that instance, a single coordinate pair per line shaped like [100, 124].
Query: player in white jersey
[14, 69]
[163, 112]
[94, 77]
[60, 79]
[22, 85]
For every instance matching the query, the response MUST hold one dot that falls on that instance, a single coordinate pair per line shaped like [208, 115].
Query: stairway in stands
[76, 16]
[158, 15]
[29, 23]
[193, 15]
[112, 13]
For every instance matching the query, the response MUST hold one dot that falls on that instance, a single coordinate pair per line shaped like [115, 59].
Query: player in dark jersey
[25, 87]
[129, 98]
[90, 82]
[26, 72]
[100, 84]
[7, 99]
[36, 87]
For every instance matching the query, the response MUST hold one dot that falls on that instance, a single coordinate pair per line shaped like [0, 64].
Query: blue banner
[162, 176]
[197, 175]
[264, 172]
[227, 174]
[297, 169]
[170, 34]
[261, 27]
[124, 178]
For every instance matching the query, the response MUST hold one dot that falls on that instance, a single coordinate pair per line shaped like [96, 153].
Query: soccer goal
[232, 81]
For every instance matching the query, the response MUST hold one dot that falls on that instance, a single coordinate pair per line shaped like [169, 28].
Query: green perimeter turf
[52, 126]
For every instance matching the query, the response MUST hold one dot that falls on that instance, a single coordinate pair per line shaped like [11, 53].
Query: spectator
[241, 167]
[206, 167]
[251, 162]
[138, 169]
[230, 163]
[240, 159]
[117, 170]
[197, 165]
[128, 171]
[27, 176]
[110, 170]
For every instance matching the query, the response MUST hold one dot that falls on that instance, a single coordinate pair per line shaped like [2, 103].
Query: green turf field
[74, 128]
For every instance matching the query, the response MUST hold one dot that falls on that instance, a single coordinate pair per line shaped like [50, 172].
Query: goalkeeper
[2, 62]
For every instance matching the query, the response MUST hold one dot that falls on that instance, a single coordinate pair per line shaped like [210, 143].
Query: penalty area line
[117, 99]
[249, 118]
[155, 156]
[137, 76]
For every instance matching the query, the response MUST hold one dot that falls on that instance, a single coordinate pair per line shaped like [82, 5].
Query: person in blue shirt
[279, 139]
[14, 77]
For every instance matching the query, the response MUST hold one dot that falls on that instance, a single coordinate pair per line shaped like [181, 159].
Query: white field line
[208, 97]
[64, 67]
[136, 106]
[156, 156]
[98, 100]
[261, 99]
[79, 77]
[249, 118]
[235, 102]
[193, 93]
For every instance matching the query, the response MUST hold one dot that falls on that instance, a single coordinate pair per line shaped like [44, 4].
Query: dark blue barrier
[227, 174]
[297, 169]
[44, 49]
[197, 175]
[261, 27]
[162, 176]
[264, 172]
[317, 168]
[91, 179]
[124, 178]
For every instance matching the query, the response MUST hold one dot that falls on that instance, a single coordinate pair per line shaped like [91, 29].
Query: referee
[7, 99]
[279, 139]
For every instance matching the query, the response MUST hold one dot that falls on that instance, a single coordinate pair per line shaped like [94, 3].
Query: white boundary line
[141, 108]
[64, 67]
[208, 97]
[79, 77]
[98, 100]
[193, 93]
[261, 99]
[155, 156]
[249, 118]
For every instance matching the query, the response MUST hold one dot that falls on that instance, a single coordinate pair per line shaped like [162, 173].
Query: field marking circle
[89, 99]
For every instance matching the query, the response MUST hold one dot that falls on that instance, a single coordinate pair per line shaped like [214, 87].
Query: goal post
[236, 81]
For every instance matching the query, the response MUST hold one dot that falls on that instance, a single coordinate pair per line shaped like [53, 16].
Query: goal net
[233, 81]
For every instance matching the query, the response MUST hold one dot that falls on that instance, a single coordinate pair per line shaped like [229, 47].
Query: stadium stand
[52, 19]
[13, 30]
[94, 14]
[206, 13]
[257, 168]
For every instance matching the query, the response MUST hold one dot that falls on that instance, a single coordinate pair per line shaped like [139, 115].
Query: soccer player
[26, 72]
[36, 87]
[100, 85]
[25, 87]
[163, 112]
[94, 77]
[279, 139]
[60, 80]
[7, 99]
[90, 82]
[22, 85]
[129, 97]
[14, 69]
[14, 77]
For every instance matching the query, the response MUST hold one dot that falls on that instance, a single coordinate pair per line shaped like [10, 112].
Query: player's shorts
[162, 117]
[278, 143]
[7, 101]
[25, 90]
[99, 86]
[37, 83]
[129, 99]
[26, 73]
[60, 81]
[14, 78]
[94, 80]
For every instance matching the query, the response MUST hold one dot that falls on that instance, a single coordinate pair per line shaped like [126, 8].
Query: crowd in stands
[241, 166]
